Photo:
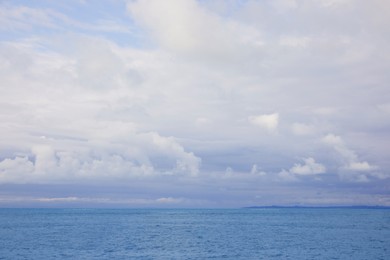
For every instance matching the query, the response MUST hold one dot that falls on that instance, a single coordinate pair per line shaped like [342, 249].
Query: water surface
[274, 233]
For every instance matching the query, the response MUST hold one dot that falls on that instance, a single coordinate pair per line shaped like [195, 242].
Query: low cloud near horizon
[195, 103]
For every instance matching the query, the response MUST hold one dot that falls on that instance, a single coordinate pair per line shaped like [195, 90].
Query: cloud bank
[213, 103]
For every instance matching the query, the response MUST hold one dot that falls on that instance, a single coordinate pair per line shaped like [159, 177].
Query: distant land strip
[318, 207]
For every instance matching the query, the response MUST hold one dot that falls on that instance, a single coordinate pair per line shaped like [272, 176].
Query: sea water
[269, 233]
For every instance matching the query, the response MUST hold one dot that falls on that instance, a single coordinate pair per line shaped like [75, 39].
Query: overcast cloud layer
[185, 103]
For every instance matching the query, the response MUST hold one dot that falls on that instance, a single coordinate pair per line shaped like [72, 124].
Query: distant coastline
[319, 207]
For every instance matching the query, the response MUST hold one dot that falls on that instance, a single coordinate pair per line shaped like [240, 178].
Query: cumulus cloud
[361, 166]
[287, 176]
[150, 155]
[256, 171]
[11, 169]
[309, 168]
[353, 168]
[267, 121]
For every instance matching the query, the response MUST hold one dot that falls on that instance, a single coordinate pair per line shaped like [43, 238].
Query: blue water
[195, 234]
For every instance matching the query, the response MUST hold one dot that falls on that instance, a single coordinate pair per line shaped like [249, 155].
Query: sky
[194, 103]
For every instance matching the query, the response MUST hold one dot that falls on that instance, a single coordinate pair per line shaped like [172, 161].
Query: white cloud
[45, 159]
[101, 160]
[338, 144]
[268, 121]
[303, 129]
[188, 28]
[256, 171]
[186, 162]
[309, 168]
[287, 176]
[353, 169]
[65, 199]
[229, 172]
[176, 24]
[11, 169]
[169, 200]
[360, 166]
[333, 140]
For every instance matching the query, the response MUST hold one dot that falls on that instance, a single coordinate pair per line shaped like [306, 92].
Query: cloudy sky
[194, 103]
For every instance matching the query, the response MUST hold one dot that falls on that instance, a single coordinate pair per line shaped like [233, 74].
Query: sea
[249, 233]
